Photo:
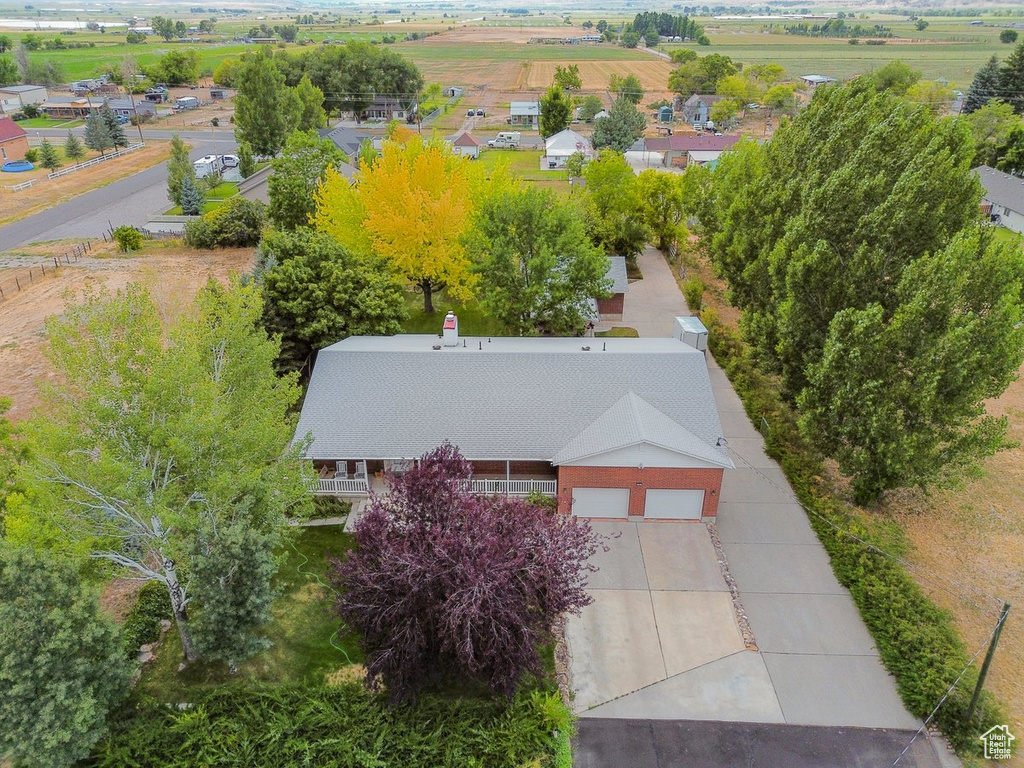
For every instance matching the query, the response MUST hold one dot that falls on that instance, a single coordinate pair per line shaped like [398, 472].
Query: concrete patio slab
[788, 568]
[622, 566]
[819, 624]
[614, 647]
[828, 690]
[736, 688]
[695, 628]
[680, 556]
[756, 523]
[767, 486]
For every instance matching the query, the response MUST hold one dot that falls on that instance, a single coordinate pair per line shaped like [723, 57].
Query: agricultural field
[652, 73]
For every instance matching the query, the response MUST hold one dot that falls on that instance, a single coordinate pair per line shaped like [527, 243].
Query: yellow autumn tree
[412, 207]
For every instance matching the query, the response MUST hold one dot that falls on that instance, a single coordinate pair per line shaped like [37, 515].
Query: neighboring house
[13, 140]
[621, 428]
[466, 145]
[563, 145]
[383, 108]
[14, 97]
[348, 140]
[611, 308]
[524, 113]
[1003, 199]
[126, 108]
[68, 109]
[680, 149]
[697, 108]
[453, 91]
[665, 114]
[813, 81]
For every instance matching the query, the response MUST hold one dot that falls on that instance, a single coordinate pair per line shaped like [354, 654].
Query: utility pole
[987, 663]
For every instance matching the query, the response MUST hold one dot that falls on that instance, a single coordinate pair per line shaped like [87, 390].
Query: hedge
[304, 725]
[915, 638]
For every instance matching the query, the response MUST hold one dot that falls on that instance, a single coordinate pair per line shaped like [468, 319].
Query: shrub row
[336, 725]
[142, 625]
[915, 638]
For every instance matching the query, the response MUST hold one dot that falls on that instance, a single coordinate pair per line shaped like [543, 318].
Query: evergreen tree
[117, 135]
[621, 128]
[555, 112]
[179, 167]
[61, 662]
[246, 162]
[984, 87]
[192, 197]
[73, 149]
[1011, 79]
[48, 157]
[97, 133]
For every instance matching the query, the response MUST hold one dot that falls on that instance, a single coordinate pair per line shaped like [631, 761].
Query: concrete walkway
[652, 304]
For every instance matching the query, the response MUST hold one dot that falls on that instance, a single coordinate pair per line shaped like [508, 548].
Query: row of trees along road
[853, 244]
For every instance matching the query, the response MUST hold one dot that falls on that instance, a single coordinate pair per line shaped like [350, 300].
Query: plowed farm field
[652, 73]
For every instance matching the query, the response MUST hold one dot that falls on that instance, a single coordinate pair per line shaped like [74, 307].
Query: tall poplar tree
[264, 113]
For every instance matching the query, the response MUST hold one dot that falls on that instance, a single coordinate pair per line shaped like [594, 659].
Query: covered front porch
[357, 477]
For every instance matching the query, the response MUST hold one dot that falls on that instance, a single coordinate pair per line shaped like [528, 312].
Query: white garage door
[673, 505]
[600, 502]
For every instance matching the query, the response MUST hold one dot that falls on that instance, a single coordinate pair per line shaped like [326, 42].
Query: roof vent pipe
[450, 330]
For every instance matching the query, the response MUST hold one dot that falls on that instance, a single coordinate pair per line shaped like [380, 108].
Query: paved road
[690, 744]
[128, 201]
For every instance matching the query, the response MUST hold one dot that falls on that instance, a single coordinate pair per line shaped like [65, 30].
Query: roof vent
[585, 349]
[450, 330]
[436, 346]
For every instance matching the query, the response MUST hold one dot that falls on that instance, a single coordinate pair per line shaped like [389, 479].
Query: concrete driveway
[652, 304]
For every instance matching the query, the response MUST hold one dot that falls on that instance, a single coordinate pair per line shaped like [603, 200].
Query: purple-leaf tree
[444, 583]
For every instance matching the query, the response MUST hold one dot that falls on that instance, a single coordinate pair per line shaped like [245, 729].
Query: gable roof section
[690, 142]
[464, 139]
[630, 421]
[520, 399]
[567, 142]
[617, 274]
[347, 140]
[1002, 188]
[10, 130]
[524, 108]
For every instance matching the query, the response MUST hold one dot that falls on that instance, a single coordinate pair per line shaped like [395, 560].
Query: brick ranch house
[13, 140]
[618, 428]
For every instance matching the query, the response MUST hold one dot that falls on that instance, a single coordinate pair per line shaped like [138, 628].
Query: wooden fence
[17, 279]
[21, 186]
[95, 160]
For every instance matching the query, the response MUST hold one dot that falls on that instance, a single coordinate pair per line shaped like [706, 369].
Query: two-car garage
[659, 503]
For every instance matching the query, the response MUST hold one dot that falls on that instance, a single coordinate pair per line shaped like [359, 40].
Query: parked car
[230, 161]
[122, 119]
[470, 112]
[481, 113]
[719, 133]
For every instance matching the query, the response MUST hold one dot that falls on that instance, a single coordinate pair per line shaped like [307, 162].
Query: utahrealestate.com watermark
[997, 742]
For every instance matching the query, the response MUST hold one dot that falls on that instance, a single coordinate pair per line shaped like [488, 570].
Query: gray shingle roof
[630, 421]
[501, 398]
[1002, 188]
[617, 274]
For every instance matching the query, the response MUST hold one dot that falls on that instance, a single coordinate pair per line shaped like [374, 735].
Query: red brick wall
[710, 480]
[612, 306]
[15, 149]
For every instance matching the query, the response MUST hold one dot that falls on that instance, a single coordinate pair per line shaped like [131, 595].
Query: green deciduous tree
[1008, 36]
[568, 78]
[97, 133]
[631, 38]
[178, 67]
[73, 149]
[621, 128]
[262, 107]
[590, 106]
[724, 111]
[48, 157]
[984, 88]
[781, 98]
[246, 162]
[537, 269]
[613, 206]
[311, 113]
[895, 77]
[627, 87]
[661, 206]
[179, 167]
[555, 112]
[9, 74]
[298, 172]
[154, 433]
[701, 75]
[898, 396]
[61, 662]
[317, 292]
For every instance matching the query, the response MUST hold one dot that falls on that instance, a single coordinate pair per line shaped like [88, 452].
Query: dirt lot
[652, 74]
[473, 35]
[46, 193]
[173, 273]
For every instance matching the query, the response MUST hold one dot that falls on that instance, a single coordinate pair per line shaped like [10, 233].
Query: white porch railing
[328, 485]
[514, 487]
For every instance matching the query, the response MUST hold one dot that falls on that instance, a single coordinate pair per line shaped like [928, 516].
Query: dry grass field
[173, 273]
[652, 73]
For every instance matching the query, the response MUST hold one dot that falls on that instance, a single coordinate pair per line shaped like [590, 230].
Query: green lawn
[88, 62]
[46, 122]
[420, 51]
[621, 333]
[525, 163]
[1004, 235]
[473, 321]
[214, 197]
[304, 631]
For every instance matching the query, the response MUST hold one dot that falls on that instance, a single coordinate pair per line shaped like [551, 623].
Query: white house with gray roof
[1003, 199]
[618, 428]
